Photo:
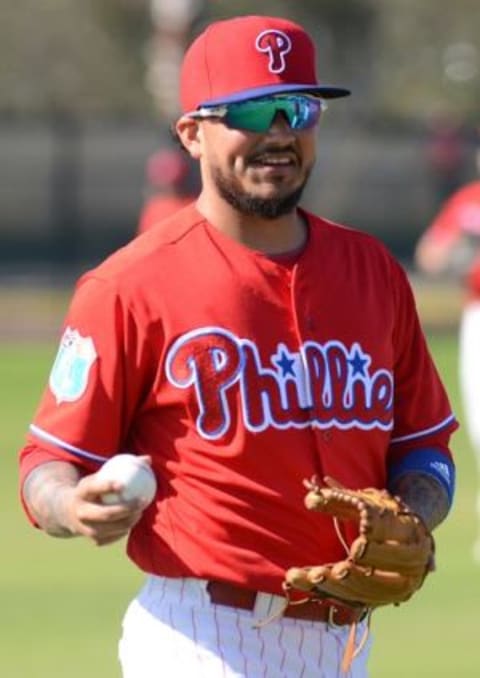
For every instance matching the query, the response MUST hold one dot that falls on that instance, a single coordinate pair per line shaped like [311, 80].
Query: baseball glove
[384, 565]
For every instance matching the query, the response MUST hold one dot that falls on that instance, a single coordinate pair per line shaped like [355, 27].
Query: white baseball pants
[172, 630]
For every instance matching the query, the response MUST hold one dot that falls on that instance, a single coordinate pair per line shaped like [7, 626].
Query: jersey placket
[304, 325]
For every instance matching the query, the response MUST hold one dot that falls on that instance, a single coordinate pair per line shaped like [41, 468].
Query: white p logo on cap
[276, 44]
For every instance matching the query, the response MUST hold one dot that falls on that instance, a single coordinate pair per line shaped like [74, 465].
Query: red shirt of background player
[460, 217]
[167, 178]
[160, 207]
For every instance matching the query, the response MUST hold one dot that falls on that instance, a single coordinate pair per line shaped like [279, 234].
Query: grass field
[62, 602]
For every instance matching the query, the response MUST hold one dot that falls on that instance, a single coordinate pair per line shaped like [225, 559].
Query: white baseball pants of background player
[172, 630]
[469, 357]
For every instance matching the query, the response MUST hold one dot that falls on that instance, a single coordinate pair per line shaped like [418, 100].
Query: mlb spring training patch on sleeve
[69, 376]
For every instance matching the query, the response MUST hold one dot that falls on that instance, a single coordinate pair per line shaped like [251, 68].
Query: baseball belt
[333, 614]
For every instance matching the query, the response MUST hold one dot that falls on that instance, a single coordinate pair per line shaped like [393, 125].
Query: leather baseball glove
[384, 565]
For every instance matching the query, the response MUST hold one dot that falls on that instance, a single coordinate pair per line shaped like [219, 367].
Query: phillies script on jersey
[331, 381]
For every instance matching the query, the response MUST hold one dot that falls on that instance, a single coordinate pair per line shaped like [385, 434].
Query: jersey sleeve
[421, 406]
[97, 381]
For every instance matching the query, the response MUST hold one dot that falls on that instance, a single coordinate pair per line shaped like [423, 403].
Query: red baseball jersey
[241, 377]
[461, 216]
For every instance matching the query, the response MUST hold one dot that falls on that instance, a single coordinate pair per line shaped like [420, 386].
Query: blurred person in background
[169, 186]
[244, 345]
[446, 156]
[451, 246]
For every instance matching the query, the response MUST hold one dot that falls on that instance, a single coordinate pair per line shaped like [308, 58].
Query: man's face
[259, 174]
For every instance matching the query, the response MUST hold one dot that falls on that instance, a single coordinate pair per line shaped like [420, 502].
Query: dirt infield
[32, 310]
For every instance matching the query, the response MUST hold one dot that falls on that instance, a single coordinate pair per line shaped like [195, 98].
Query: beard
[253, 206]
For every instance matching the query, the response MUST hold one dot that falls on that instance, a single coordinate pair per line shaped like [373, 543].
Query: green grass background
[61, 602]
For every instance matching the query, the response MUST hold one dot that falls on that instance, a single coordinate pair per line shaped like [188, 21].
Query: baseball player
[247, 346]
[452, 244]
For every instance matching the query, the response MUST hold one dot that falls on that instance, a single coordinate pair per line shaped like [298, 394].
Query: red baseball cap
[249, 57]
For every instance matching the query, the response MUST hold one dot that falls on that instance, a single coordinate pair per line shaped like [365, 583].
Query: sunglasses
[257, 115]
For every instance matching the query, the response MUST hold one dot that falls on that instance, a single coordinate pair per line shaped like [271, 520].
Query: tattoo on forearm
[44, 492]
[425, 496]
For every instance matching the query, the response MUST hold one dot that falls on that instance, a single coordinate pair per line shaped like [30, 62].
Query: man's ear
[189, 135]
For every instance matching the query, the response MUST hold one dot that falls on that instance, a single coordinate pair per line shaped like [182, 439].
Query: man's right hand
[64, 504]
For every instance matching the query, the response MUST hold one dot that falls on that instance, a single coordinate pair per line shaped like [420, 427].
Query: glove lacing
[351, 651]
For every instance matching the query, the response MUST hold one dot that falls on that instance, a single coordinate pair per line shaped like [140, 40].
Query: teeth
[271, 160]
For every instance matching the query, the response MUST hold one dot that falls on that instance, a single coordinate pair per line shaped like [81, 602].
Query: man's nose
[280, 125]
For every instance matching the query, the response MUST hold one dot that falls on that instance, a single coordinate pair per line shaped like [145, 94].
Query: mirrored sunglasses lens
[305, 113]
[253, 116]
[257, 116]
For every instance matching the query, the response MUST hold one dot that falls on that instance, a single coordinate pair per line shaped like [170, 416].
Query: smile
[270, 160]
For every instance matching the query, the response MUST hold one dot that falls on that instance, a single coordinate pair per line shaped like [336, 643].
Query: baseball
[136, 477]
